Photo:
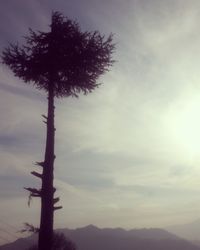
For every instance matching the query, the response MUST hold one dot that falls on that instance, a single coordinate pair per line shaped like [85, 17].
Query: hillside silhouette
[91, 237]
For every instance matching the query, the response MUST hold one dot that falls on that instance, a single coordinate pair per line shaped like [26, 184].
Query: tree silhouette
[60, 242]
[64, 62]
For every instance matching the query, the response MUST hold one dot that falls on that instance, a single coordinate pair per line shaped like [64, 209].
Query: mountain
[152, 233]
[189, 231]
[23, 244]
[94, 238]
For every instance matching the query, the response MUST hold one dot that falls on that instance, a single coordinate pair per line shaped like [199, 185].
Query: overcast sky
[128, 155]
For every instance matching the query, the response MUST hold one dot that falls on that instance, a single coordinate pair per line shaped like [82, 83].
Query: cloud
[118, 161]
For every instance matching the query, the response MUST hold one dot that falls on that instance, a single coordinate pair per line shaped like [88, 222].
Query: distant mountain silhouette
[23, 244]
[94, 238]
[189, 231]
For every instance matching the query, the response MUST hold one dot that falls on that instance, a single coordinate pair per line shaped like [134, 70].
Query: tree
[63, 62]
[60, 242]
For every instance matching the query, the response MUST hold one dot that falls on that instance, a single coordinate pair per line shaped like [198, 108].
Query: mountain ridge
[189, 231]
[92, 237]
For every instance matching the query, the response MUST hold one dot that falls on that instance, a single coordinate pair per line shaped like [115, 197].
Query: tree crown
[65, 58]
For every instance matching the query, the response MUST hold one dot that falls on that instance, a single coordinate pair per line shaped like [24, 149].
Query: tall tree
[60, 242]
[64, 62]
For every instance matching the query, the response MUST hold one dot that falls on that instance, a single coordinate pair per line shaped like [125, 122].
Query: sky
[128, 154]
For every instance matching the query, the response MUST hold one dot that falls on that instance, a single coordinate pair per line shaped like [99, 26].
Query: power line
[9, 233]
[9, 225]
[6, 240]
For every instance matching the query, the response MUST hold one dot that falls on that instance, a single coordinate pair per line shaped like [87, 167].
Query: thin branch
[36, 174]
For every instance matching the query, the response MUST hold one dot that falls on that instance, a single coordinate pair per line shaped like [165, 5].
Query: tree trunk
[47, 192]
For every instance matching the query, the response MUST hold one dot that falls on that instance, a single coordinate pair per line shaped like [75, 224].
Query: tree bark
[47, 192]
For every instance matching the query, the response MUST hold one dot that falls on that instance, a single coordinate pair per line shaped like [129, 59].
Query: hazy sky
[128, 155]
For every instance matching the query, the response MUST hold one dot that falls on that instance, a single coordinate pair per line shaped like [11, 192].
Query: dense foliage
[69, 59]
[63, 62]
[60, 242]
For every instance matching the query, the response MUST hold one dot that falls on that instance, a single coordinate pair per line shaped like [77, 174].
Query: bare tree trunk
[47, 192]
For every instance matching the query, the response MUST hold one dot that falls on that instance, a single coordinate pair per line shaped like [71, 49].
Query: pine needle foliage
[63, 62]
[69, 59]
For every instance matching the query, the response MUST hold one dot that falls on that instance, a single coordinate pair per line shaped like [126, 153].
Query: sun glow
[183, 122]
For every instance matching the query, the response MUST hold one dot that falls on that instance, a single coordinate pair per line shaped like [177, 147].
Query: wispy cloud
[120, 160]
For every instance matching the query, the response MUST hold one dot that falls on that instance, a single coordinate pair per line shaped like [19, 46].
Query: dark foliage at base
[60, 242]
